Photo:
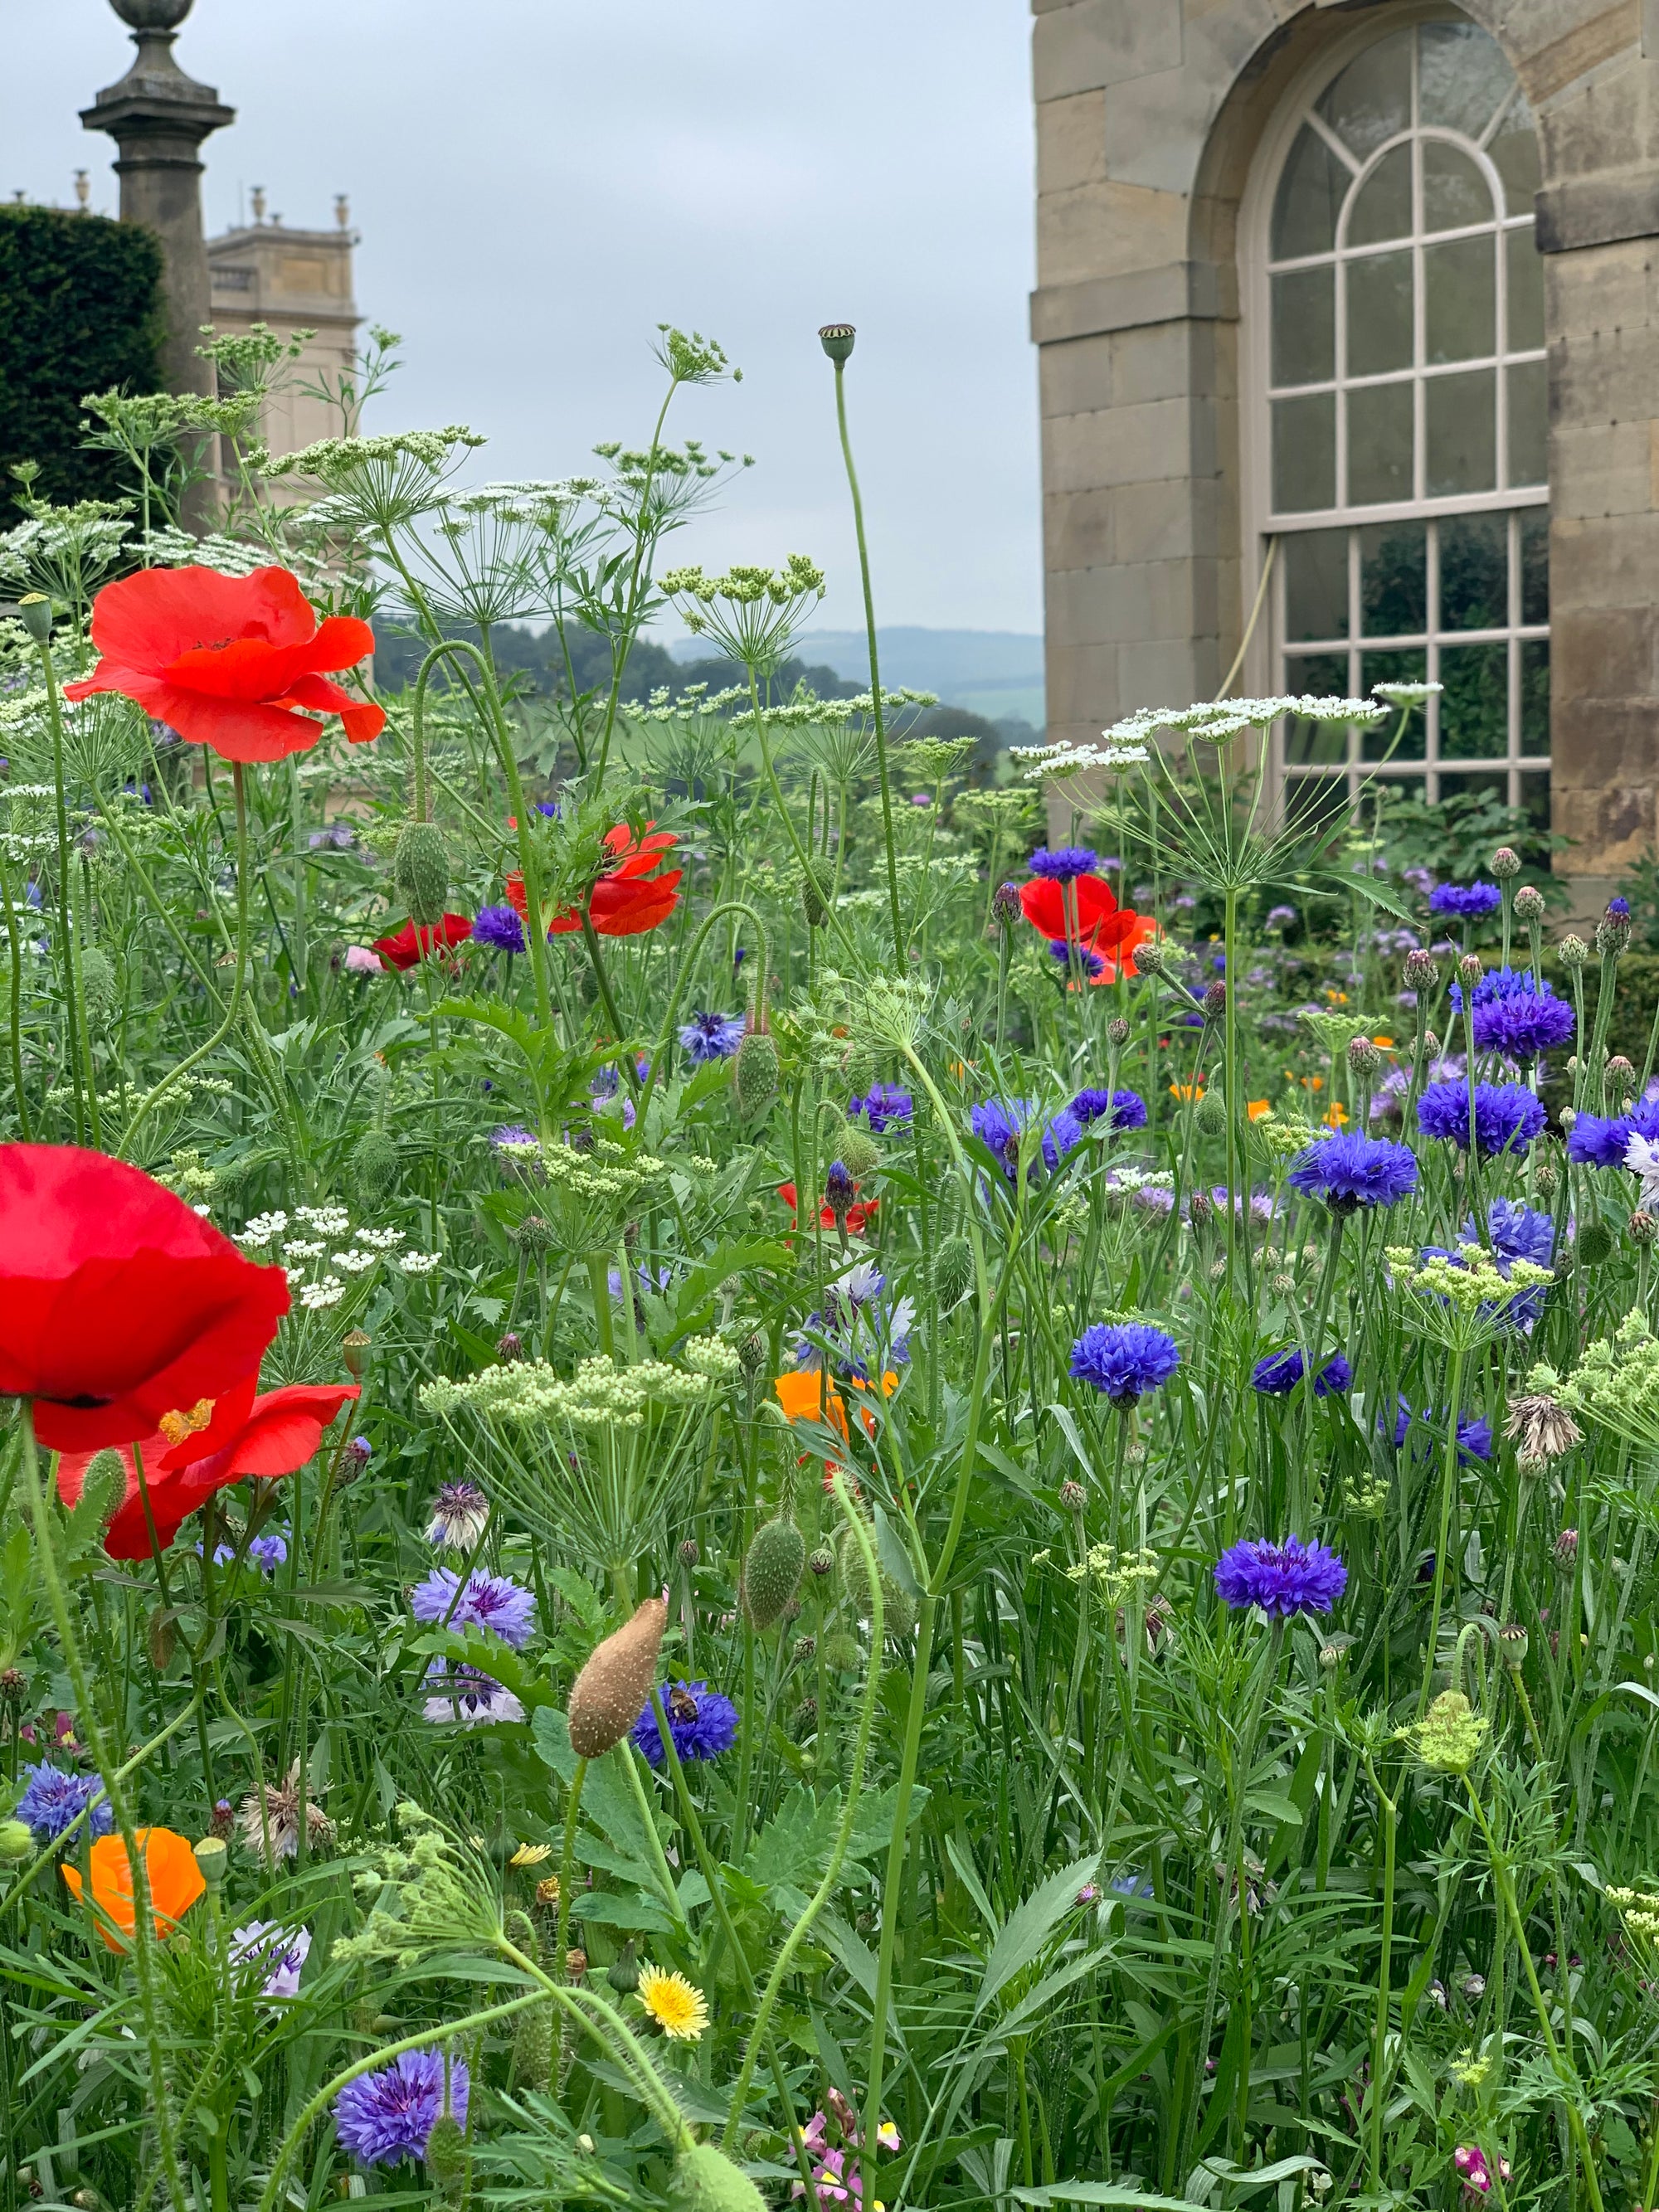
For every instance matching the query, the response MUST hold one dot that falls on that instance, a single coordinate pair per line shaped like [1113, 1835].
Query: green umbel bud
[373, 1166]
[421, 871]
[98, 984]
[1450, 1734]
[772, 1571]
[1595, 1243]
[16, 1842]
[953, 1271]
[836, 339]
[898, 1608]
[446, 2153]
[34, 612]
[1209, 1115]
[705, 2180]
[841, 1654]
[755, 1073]
[858, 1151]
[532, 2049]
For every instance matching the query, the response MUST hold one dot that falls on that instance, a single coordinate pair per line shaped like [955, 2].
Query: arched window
[1399, 313]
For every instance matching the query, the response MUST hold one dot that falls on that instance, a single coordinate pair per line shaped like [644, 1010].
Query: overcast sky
[538, 183]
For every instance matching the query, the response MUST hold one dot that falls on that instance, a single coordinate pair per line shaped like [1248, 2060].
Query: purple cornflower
[1127, 1109]
[53, 1799]
[458, 1514]
[882, 1105]
[1278, 1375]
[1518, 1014]
[1506, 1117]
[493, 1601]
[1467, 900]
[466, 1697]
[711, 1037]
[1284, 1579]
[1354, 1170]
[500, 928]
[1064, 864]
[701, 1722]
[381, 2117]
[1124, 1360]
[278, 1953]
[268, 1552]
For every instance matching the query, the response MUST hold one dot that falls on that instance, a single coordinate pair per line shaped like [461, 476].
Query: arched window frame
[1273, 664]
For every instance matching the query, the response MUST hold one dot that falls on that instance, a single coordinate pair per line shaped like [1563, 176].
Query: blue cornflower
[1091, 963]
[882, 1105]
[548, 808]
[388, 2115]
[1001, 1123]
[53, 1799]
[1278, 1375]
[512, 1132]
[1517, 1232]
[1468, 900]
[500, 928]
[712, 1036]
[492, 1601]
[1064, 864]
[1474, 1433]
[1285, 1578]
[1507, 1116]
[1127, 1109]
[701, 1722]
[1618, 910]
[1518, 1014]
[1124, 1360]
[1354, 1170]
[1597, 1140]
[268, 1552]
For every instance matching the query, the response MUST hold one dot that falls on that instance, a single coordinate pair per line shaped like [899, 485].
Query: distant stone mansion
[1367, 287]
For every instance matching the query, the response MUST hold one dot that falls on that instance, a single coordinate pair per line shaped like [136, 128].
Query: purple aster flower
[1468, 900]
[1278, 1375]
[1279, 917]
[1091, 963]
[1506, 1118]
[384, 2117]
[1354, 1170]
[466, 1697]
[711, 1037]
[1064, 864]
[512, 1132]
[1597, 1140]
[1127, 1109]
[1518, 1014]
[493, 1601]
[1285, 1578]
[53, 1799]
[701, 1722]
[278, 1953]
[883, 1105]
[458, 1514]
[268, 1552]
[500, 928]
[1124, 1360]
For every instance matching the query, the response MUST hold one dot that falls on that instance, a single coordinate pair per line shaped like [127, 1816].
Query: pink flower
[360, 960]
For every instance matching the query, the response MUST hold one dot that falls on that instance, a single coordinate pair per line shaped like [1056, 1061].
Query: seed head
[353, 1345]
[836, 339]
[576, 1963]
[1512, 1641]
[1543, 1430]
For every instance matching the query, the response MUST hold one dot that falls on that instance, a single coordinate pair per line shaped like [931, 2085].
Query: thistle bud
[420, 869]
[755, 1073]
[1364, 1058]
[609, 1694]
[1072, 1496]
[1505, 863]
[1215, 999]
[1470, 968]
[839, 1192]
[1117, 1030]
[1529, 904]
[836, 339]
[353, 1345]
[1572, 952]
[1005, 904]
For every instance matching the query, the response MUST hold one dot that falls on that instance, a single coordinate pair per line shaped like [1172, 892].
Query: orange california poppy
[802, 1394]
[1187, 1091]
[170, 1867]
[1258, 1109]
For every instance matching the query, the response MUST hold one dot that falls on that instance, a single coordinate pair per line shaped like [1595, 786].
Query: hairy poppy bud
[841, 1655]
[420, 869]
[1505, 863]
[1210, 1114]
[532, 2049]
[373, 1166]
[446, 2151]
[1595, 1244]
[754, 1072]
[812, 905]
[860, 1152]
[609, 1694]
[704, 2179]
[772, 1571]
[104, 1484]
[898, 1608]
[98, 986]
[953, 1271]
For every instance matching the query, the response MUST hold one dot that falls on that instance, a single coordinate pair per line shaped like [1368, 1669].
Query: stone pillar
[158, 117]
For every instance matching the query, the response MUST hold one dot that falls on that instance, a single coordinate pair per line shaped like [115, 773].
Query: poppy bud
[860, 1152]
[898, 1608]
[841, 1655]
[1210, 1114]
[609, 1694]
[98, 985]
[755, 1073]
[836, 339]
[446, 2151]
[373, 1167]
[812, 905]
[34, 612]
[420, 869]
[532, 2049]
[103, 1486]
[353, 1345]
[704, 2179]
[771, 1572]
[953, 1271]
[16, 1842]
[1595, 1244]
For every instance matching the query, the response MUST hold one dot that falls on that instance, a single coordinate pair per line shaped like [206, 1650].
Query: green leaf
[1030, 1925]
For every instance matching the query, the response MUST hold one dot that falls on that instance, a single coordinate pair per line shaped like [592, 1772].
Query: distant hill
[997, 673]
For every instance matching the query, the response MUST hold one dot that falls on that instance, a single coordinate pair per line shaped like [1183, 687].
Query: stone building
[292, 281]
[1359, 295]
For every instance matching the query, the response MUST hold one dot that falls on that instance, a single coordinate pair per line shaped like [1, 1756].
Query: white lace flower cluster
[330, 1227]
[600, 1394]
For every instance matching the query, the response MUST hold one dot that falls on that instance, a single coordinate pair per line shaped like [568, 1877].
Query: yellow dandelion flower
[678, 2007]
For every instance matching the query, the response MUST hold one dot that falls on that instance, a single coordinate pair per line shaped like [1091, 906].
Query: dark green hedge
[80, 312]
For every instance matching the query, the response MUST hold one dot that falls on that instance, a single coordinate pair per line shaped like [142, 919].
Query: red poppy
[857, 1214]
[1083, 912]
[630, 897]
[229, 661]
[116, 1301]
[410, 945]
[217, 1443]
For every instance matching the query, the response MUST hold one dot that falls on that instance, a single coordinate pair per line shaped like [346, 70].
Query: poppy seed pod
[704, 2179]
[34, 612]
[836, 339]
[772, 1571]
[609, 1694]
[420, 869]
[755, 1073]
[353, 1345]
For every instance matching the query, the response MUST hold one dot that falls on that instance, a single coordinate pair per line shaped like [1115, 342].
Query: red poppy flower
[629, 898]
[857, 1214]
[116, 1301]
[1083, 912]
[216, 1443]
[410, 945]
[229, 661]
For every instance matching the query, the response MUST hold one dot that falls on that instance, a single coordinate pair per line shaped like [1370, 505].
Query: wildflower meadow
[747, 1461]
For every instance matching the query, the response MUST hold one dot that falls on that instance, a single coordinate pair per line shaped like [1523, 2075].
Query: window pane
[1536, 694]
[1320, 676]
[1382, 206]
[1394, 579]
[1305, 453]
[1474, 716]
[1529, 423]
[1379, 314]
[1313, 802]
[1486, 786]
[1455, 192]
[1315, 585]
[1304, 327]
[1534, 564]
[1371, 101]
[1460, 300]
[1474, 572]
[1535, 799]
[1379, 444]
[1409, 666]
[1309, 195]
[1525, 272]
[1514, 151]
[1460, 421]
[1461, 77]
[1398, 791]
